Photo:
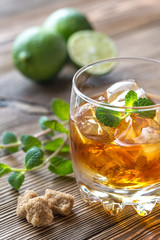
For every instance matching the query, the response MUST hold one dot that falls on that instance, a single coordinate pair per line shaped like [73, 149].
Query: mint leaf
[144, 102]
[55, 125]
[108, 117]
[65, 149]
[29, 141]
[16, 179]
[130, 98]
[8, 138]
[53, 145]
[43, 127]
[60, 109]
[4, 169]
[41, 122]
[60, 166]
[33, 158]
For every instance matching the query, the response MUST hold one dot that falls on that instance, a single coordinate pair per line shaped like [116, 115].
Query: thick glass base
[114, 200]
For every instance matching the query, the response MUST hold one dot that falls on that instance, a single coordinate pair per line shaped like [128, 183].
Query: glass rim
[107, 105]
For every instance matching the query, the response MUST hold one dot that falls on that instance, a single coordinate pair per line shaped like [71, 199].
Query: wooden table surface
[135, 27]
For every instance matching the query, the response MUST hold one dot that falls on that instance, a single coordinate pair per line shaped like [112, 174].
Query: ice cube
[89, 126]
[117, 92]
[137, 130]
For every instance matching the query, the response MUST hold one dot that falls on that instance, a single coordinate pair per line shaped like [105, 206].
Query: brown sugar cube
[22, 200]
[59, 202]
[38, 212]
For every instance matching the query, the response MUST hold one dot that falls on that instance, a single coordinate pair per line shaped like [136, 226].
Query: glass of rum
[115, 133]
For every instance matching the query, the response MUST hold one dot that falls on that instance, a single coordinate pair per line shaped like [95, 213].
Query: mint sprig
[113, 118]
[35, 148]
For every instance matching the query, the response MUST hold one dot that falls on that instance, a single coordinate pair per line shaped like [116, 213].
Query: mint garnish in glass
[113, 118]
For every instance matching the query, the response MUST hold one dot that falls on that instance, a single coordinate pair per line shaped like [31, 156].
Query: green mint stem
[65, 122]
[19, 170]
[47, 159]
[52, 155]
[60, 135]
[126, 115]
[58, 150]
[42, 133]
[10, 145]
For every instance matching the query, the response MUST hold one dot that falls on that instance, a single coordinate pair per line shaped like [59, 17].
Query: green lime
[39, 54]
[66, 21]
[88, 46]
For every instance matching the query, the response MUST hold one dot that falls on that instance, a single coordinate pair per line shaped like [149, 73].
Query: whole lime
[66, 21]
[39, 54]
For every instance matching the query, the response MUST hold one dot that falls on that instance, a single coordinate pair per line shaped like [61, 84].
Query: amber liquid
[124, 157]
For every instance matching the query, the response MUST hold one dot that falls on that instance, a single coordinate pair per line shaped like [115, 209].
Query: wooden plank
[27, 90]
[84, 222]
[90, 219]
[83, 215]
[134, 228]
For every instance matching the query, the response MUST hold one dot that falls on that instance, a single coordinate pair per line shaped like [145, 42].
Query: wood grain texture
[135, 27]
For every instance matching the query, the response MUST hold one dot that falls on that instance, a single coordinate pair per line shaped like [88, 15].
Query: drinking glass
[117, 165]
